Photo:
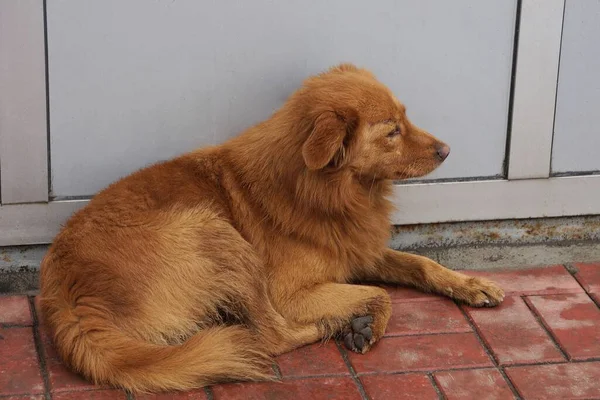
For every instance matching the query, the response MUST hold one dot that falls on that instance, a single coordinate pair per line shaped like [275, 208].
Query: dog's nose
[443, 151]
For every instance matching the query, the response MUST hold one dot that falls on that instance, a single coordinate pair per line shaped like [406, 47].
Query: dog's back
[132, 277]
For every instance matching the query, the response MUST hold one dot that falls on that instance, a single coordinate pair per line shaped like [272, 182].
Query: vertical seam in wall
[562, 30]
[48, 154]
[512, 88]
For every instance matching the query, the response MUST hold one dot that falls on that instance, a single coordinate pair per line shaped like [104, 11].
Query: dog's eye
[395, 132]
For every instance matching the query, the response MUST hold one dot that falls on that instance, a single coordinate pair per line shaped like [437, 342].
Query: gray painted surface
[135, 82]
[534, 83]
[576, 131]
[38, 223]
[23, 129]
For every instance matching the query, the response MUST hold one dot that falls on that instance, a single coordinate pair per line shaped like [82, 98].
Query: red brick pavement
[543, 342]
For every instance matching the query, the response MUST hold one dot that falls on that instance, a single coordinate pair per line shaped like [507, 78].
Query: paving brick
[546, 280]
[19, 368]
[557, 381]
[437, 316]
[589, 276]
[91, 395]
[14, 310]
[198, 394]
[404, 386]
[25, 397]
[513, 333]
[338, 388]
[61, 378]
[404, 294]
[312, 360]
[574, 320]
[421, 353]
[480, 384]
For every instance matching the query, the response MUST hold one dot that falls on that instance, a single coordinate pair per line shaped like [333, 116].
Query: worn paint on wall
[529, 231]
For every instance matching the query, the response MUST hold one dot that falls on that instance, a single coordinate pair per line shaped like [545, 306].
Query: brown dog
[202, 268]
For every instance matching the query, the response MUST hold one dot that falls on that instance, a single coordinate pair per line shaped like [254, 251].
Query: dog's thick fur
[200, 269]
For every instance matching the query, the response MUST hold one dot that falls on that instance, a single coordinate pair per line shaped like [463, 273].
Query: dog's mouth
[418, 169]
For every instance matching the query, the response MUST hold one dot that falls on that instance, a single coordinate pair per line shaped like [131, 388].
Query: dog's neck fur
[266, 163]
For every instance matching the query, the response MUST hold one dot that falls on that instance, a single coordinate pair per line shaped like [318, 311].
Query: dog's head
[357, 124]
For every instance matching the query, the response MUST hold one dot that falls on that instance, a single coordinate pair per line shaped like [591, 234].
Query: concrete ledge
[507, 232]
[19, 268]
[513, 257]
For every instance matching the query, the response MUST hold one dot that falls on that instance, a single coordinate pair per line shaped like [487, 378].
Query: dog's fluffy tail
[102, 353]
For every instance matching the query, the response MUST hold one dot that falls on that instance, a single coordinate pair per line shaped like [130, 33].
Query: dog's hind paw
[358, 336]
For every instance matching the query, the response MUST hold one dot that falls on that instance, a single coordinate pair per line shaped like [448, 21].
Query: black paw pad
[358, 334]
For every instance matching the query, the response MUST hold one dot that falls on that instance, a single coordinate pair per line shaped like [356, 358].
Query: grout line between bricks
[511, 386]
[301, 377]
[479, 335]
[417, 299]
[426, 371]
[76, 390]
[39, 349]
[353, 374]
[572, 269]
[209, 393]
[533, 364]
[546, 328]
[456, 332]
[8, 326]
[452, 369]
[488, 350]
[438, 390]
[587, 360]
[277, 371]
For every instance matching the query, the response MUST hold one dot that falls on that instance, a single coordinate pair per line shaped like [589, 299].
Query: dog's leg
[359, 313]
[279, 335]
[425, 274]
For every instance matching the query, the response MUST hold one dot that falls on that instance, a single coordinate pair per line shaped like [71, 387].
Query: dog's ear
[328, 137]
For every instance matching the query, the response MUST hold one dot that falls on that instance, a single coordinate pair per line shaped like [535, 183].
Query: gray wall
[577, 127]
[133, 81]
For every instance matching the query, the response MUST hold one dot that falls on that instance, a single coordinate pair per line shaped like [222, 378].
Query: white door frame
[534, 88]
[28, 217]
[23, 105]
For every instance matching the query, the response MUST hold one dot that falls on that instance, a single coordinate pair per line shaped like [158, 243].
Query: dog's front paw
[358, 335]
[479, 292]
